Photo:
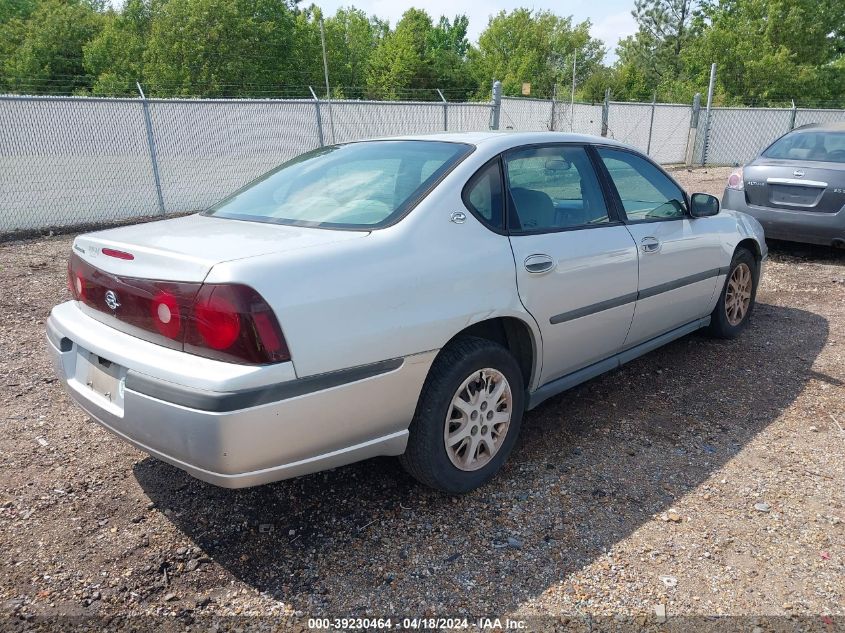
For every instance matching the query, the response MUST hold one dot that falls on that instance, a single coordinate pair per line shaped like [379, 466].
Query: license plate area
[795, 196]
[101, 379]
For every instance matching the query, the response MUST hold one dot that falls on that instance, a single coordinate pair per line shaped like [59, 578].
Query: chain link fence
[737, 135]
[77, 161]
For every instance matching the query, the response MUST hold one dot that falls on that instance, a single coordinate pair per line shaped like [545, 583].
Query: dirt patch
[706, 477]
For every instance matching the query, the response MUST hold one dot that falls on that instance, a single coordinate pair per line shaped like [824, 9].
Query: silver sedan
[408, 296]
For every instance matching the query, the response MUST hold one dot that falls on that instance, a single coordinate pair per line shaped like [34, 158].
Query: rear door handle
[539, 263]
[650, 244]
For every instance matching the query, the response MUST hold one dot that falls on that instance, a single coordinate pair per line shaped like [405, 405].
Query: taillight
[165, 312]
[735, 180]
[229, 322]
[233, 322]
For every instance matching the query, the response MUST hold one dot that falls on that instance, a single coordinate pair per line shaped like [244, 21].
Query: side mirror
[703, 205]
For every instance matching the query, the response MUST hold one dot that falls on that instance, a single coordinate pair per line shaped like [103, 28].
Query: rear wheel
[731, 314]
[467, 418]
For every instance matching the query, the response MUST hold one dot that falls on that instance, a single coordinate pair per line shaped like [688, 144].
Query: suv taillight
[228, 322]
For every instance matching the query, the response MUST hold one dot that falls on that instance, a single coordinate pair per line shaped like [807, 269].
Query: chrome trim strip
[223, 401]
[797, 181]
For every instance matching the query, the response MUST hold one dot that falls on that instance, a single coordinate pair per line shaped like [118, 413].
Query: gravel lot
[707, 477]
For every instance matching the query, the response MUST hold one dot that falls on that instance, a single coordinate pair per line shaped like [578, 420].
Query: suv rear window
[357, 186]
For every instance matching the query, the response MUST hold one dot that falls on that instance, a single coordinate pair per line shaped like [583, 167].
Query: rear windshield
[816, 146]
[360, 185]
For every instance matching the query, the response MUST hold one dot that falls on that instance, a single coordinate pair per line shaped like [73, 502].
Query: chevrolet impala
[409, 296]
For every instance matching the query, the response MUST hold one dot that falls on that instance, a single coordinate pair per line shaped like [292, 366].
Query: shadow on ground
[592, 466]
[811, 252]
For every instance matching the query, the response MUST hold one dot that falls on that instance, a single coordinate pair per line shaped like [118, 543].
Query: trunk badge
[798, 173]
[111, 300]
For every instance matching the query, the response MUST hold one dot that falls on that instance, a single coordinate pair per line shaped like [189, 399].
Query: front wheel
[467, 418]
[731, 314]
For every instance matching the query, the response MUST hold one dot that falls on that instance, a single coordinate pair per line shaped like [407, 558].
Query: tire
[726, 322]
[458, 371]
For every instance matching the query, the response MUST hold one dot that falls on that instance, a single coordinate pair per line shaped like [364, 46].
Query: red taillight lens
[233, 322]
[113, 252]
[217, 320]
[229, 322]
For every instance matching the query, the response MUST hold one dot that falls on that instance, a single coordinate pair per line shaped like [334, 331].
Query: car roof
[502, 140]
[837, 126]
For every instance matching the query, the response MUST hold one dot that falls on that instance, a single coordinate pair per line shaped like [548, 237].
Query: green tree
[115, 57]
[351, 37]
[15, 9]
[665, 28]
[399, 62]
[533, 47]
[43, 52]
[219, 47]
[771, 51]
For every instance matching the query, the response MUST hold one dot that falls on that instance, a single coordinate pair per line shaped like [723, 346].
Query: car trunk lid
[186, 248]
[794, 186]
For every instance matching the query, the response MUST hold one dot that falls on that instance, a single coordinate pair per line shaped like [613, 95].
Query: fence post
[496, 112]
[605, 112]
[792, 116]
[693, 129]
[319, 116]
[151, 144]
[445, 110]
[651, 123]
[552, 116]
[710, 89]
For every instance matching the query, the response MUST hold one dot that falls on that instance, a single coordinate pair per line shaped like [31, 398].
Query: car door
[576, 263]
[679, 256]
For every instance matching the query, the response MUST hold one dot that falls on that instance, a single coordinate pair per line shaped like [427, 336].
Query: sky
[611, 19]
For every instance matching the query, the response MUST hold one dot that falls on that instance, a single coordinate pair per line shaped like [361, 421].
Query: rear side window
[552, 188]
[818, 146]
[483, 195]
[646, 192]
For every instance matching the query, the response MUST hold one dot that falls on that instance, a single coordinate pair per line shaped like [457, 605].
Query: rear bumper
[243, 436]
[795, 226]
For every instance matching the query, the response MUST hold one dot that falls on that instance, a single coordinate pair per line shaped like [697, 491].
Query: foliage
[771, 51]
[767, 51]
[214, 48]
[422, 56]
[534, 47]
[115, 57]
[41, 49]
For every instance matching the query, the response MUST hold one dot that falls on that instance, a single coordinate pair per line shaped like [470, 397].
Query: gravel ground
[703, 479]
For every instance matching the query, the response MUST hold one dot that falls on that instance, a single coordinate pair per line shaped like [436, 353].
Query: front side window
[815, 146]
[359, 185]
[646, 192]
[553, 187]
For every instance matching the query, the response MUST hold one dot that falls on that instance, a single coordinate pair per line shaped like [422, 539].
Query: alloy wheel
[738, 295]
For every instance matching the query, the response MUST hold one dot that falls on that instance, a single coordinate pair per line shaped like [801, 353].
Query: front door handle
[539, 263]
[650, 244]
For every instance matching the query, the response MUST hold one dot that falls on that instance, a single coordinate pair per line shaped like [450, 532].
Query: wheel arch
[514, 334]
[750, 244]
